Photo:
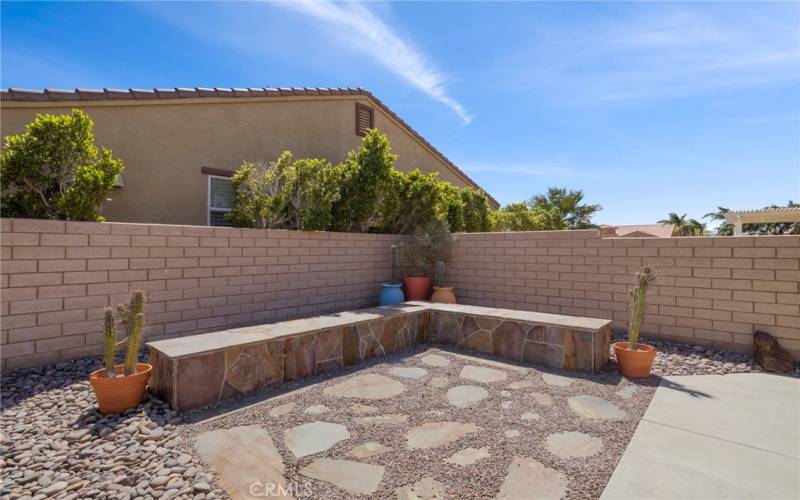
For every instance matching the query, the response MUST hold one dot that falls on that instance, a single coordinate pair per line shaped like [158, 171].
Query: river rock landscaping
[435, 422]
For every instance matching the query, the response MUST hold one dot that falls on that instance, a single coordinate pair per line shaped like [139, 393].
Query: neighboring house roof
[646, 230]
[763, 215]
[27, 95]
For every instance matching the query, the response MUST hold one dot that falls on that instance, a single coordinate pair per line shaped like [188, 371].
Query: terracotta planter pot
[636, 363]
[417, 287]
[443, 295]
[117, 394]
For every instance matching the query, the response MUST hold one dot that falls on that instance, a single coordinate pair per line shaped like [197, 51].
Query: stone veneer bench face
[189, 372]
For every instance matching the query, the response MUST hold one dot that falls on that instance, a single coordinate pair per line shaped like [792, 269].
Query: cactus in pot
[120, 387]
[438, 276]
[639, 294]
[442, 294]
[634, 358]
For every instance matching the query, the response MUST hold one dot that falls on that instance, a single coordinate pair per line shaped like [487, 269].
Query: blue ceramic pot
[391, 293]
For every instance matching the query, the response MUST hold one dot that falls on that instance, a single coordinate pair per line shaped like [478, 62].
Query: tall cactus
[110, 343]
[639, 293]
[134, 322]
[439, 275]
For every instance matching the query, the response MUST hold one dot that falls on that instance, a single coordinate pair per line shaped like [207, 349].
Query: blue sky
[647, 107]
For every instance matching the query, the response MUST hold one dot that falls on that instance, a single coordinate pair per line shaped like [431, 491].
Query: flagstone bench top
[223, 339]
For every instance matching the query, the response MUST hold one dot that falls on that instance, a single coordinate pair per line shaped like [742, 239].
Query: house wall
[164, 144]
[57, 277]
[709, 290]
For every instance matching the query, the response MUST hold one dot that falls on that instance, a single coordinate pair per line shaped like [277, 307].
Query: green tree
[55, 171]
[453, 206]
[312, 189]
[573, 214]
[477, 210]
[521, 217]
[411, 199]
[724, 229]
[366, 174]
[261, 194]
[290, 194]
[684, 226]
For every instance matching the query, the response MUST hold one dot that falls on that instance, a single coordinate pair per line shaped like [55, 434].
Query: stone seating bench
[197, 370]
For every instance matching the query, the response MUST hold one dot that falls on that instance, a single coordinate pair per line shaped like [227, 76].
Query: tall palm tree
[568, 205]
[723, 229]
[684, 226]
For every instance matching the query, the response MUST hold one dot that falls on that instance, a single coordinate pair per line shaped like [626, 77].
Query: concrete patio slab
[715, 437]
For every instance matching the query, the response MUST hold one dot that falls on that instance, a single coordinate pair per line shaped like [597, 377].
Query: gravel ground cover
[676, 358]
[515, 411]
[55, 444]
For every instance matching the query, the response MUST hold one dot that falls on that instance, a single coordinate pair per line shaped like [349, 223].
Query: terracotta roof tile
[14, 94]
[657, 230]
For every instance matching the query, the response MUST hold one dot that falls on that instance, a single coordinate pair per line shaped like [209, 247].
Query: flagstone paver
[314, 437]
[466, 395]
[439, 382]
[240, 456]
[435, 360]
[627, 392]
[362, 409]
[282, 410]
[556, 380]
[388, 419]
[435, 434]
[411, 372]
[542, 398]
[464, 435]
[368, 449]
[520, 384]
[573, 444]
[468, 456]
[371, 386]
[482, 374]
[351, 476]
[527, 479]
[316, 410]
[426, 488]
[596, 407]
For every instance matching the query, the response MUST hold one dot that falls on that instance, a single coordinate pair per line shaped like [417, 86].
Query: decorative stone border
[189, 372]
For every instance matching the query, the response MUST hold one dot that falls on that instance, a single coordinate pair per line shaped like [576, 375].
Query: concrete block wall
[57, 277]
[709, 290]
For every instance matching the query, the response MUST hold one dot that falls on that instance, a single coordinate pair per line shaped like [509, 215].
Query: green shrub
[410, 199]
[477, 210]
[55, 171]
[430, 243]
[365, 177]
[290, 194]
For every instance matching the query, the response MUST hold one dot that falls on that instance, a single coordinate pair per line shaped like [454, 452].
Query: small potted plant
[442, 294]
[634, 358]
[428, 244]
[392, 291]
[120, 387]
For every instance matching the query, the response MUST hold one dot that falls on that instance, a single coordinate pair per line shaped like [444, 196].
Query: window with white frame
[220, 200]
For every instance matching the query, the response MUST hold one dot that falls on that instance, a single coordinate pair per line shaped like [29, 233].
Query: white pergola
[761, 216]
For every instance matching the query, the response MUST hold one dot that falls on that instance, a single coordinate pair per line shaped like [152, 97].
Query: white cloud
[358, 27]
[659, 51]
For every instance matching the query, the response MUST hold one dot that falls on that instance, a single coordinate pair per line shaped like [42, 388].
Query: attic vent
[365, 119]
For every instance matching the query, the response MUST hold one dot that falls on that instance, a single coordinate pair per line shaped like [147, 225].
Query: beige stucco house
[180, 146]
